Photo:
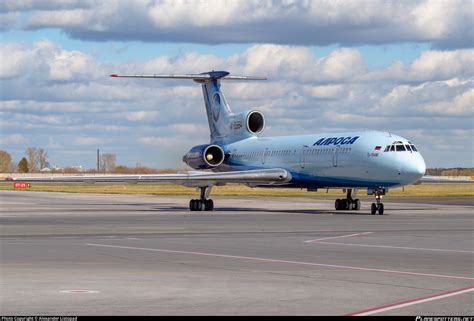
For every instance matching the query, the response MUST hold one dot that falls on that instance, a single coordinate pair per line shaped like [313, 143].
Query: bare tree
[37, 158]
[5, 161]
[42, 158]
[107, 162]
[32, 159]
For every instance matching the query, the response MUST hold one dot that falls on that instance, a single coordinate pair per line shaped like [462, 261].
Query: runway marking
[396, 247]
[337, 237]
[287, 262]
[411, 302]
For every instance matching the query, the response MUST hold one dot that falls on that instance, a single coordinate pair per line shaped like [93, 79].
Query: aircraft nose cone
[414, 169]
[421, 168]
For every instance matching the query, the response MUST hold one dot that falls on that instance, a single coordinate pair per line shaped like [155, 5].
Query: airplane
[237, 153]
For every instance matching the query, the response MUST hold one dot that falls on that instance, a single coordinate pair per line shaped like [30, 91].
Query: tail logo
[216, 106]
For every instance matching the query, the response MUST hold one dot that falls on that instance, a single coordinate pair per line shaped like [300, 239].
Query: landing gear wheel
[208, 205]
[348, 205]
[356, 205]
[192, 205]
[373, 209]
[203, 203]
[380, 208]
[195, 205]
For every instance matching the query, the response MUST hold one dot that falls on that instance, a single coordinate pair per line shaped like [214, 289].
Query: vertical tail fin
[217, 109]
[219, 114]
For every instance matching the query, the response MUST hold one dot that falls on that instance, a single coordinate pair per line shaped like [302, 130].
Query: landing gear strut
[377, 207]
[348, 203]
[202, 204]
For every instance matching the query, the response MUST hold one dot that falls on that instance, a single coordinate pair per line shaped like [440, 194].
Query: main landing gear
[377, 207]
[202, 204]
[348, 203]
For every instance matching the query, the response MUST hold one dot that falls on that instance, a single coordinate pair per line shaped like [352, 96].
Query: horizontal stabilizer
[222, 75]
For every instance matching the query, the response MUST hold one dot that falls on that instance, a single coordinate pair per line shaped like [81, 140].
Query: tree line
[456, 171]
[37, 160]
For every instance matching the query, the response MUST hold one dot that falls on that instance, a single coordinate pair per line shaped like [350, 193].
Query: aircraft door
[304, 154]
[335, 155]
[265, 155]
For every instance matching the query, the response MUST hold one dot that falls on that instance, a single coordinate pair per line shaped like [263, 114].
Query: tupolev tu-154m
[374, 161]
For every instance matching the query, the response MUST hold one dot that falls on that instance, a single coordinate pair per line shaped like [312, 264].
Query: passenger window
[401, 148]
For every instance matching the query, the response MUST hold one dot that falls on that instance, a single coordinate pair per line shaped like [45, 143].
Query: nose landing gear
[202, 204]
[348, 203]
[378, 206]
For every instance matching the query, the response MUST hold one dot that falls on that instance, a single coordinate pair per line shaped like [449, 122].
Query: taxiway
[90, 254]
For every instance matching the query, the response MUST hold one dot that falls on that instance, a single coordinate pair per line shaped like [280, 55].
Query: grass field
[445, 190]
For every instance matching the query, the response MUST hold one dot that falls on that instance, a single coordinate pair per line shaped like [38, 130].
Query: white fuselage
[352, 159]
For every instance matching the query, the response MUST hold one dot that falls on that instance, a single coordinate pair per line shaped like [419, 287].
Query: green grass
[444, 190]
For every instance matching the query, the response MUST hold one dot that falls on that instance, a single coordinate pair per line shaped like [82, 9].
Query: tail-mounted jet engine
[255, 122]
[204, 156]
[251, 121]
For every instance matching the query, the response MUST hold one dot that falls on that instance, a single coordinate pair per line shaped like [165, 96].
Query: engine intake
[204, 156]
[255, 122]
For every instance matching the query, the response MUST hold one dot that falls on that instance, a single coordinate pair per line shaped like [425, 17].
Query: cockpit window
[401, 148]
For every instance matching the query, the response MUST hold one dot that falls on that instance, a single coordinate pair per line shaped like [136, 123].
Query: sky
[401, 66]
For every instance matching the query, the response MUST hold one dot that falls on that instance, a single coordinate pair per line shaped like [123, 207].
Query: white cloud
[47, 61]
[462, 104]
[16, 59]
[12, 139]
[276, 60]
[160, 141]
[87, 140]
[443, 64]
[340, 64]
[18, 5]
[68, 65]
[449, 98]
[9, 20]
[430, 65]
[318, 22]
[142, 115]
[326, 91]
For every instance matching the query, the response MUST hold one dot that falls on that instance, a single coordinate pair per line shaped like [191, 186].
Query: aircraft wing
[428, 179]
[275, 176]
